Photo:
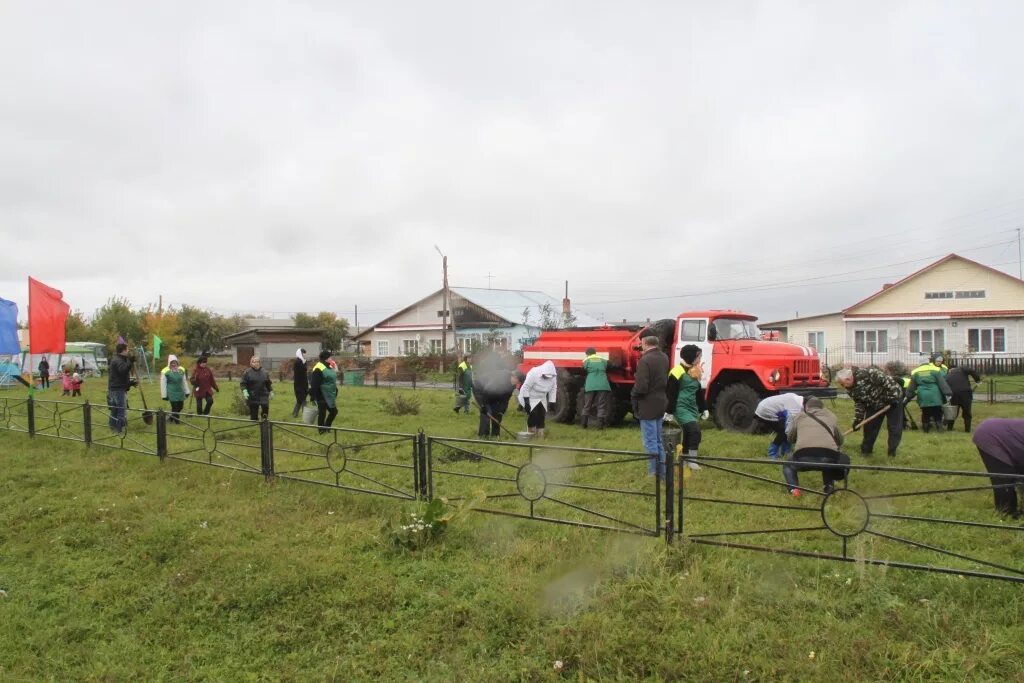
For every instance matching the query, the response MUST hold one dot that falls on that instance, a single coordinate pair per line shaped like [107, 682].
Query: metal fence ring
[531, 482]
[845, 513]
[336, 458]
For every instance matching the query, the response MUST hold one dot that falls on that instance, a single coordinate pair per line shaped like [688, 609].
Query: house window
[435, 346]
[410, 347]
[816, 340]
[692, 330]
[938, 295]
[986, 340]
[927, 341]
[382, 347]
[871, 341]
[971, 294]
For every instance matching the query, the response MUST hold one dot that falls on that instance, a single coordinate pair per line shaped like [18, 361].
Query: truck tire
[734, 408]
[664, 330]
[564, 409]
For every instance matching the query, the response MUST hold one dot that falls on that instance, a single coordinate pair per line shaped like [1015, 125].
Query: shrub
[238, 405]
[397, 404]
[897, 368]
[416, 530]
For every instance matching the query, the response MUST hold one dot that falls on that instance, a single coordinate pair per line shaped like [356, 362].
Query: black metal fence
[888, 516]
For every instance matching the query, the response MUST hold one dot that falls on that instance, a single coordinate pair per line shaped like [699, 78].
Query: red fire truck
[740, 367]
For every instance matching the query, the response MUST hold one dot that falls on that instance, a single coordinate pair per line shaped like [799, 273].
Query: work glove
[856, 425]
[271, 394]
[667, 417]
[245, 393]
[784, 448]
[133, 382]
[705, 415]
[773, 451]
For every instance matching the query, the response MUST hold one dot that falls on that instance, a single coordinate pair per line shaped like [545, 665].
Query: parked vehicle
[740, 367]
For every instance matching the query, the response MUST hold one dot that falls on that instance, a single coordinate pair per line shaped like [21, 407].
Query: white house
[954, 304]
[502, 318]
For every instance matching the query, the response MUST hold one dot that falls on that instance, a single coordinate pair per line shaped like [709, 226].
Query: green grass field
[119, 567]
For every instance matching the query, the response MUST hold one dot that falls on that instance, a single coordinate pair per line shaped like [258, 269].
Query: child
[686, 399]
[65, 382]
[76, 384]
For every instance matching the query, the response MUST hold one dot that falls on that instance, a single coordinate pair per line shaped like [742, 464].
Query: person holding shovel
[205, 384]
[463, 384]
[492, 388]
[119, 381]
[174, 387]
[539, 390]
[928, 384]
[256, 388]
[874, 392]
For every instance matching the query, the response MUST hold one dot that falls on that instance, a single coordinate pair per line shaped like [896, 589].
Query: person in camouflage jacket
[872, 390]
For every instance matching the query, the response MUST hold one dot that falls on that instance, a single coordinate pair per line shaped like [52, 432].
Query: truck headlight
[774, 377]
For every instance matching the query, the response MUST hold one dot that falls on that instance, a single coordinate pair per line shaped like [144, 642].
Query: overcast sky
[276, 157]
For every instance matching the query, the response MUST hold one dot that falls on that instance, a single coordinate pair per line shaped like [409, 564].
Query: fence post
[670, 513]
[267, 448]
[31, 416]
[375, 385]
[991, 390]
[414, 381]
[161, 434]
[423, 465]
[87, 423]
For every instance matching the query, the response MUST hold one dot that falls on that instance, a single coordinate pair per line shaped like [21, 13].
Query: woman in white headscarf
[539, 390]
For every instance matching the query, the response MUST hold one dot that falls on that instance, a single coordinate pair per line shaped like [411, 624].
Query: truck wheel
[664, 330]
[564, 409]
[734, 408]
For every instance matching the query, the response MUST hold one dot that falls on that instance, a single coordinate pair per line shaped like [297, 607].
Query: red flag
[47, 317]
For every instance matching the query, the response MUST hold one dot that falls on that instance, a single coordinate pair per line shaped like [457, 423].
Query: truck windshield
[732, 328]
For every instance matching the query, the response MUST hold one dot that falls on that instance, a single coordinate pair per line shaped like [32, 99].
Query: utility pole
[358, 346]
[445, 306]
[160, 306]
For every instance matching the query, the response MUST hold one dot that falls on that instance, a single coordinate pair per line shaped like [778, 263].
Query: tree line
[185, 329]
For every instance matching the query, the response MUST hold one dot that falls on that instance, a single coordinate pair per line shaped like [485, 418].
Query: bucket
[950, 412]
[524, 436]
[309, 414]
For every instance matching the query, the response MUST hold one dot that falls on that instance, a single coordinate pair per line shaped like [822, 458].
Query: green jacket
[174, 384]
[464, 375]
[689, 398]
[597, 374]
[929, 384]
[329, 388]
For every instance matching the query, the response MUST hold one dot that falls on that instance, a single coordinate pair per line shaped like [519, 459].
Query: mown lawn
[119, 567]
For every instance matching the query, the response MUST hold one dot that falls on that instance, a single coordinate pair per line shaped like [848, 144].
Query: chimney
[886, 286]
[566, 309]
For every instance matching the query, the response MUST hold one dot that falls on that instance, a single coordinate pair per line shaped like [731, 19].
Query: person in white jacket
[777, 413]
[539, 391]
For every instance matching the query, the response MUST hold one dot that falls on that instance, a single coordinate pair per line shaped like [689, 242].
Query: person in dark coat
[204, 384]
[492, 388]
[300, 380]
[256, 388]
[44, 373]
[119, 381]
[959, 380]
[649, 400]
[1000, 443]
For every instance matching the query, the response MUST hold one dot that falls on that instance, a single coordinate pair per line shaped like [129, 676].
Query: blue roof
[510, 303]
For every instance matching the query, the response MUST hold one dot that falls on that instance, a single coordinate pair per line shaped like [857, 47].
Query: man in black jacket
[649, 384]
[119, 381]
[301, 381]
[959, 381]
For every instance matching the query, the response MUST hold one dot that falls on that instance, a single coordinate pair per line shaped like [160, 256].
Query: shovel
[147, 414]
[863, 422]
[491, 418]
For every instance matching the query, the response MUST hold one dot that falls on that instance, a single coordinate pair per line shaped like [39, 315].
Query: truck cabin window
[732, 328]
[692, 330]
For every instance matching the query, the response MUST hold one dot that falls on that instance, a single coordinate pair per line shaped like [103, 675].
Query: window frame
[861, 346]
[979, 333]
[811, 334]
[936, 339]
[383, 345]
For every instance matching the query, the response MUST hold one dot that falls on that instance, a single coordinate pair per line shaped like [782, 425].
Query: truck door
[695, 331]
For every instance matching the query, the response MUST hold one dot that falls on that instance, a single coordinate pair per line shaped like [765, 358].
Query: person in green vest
[174, 387]
[686, 400]
[596, 390]
[323, 389]
[464, 384]
[928, 384]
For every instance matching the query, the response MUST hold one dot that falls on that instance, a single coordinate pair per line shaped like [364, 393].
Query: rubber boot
[692, 464]
[540, 433]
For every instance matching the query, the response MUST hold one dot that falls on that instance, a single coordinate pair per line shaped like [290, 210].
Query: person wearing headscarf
[205, 384]
[686, 399]
[539, 390]
[1000, 443]
[300, 380]
[323, 389]
[174, 387]
[257, 389]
